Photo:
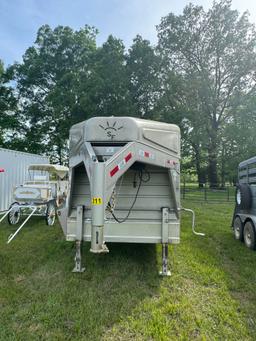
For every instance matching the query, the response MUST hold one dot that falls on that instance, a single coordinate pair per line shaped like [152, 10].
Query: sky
[20, 19]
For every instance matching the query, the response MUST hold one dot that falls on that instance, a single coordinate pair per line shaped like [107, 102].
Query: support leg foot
[165, 271]
[78, 258]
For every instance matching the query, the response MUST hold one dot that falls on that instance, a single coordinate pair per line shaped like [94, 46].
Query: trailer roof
[108, 130]
[248, 161]
[19, 152]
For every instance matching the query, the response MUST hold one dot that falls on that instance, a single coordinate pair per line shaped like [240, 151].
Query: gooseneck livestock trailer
[124, 185]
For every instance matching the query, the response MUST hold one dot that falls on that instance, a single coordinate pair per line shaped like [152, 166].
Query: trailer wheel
[249, 235]
[14, 214]
[50, 214]
[238, 229]
[243, 196]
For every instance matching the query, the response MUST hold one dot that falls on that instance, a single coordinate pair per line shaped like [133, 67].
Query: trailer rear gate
[144, 222]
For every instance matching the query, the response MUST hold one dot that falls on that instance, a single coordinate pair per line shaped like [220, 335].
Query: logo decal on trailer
[120, 165]
[111, 130]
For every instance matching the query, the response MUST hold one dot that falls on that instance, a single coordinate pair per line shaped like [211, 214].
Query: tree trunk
[59, 147]
[198, 162]
[212, 160]
[223, 166]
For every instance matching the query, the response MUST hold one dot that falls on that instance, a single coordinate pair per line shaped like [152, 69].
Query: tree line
[200, 75]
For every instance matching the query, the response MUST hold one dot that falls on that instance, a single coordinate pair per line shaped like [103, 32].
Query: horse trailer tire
[243, 196]
[249, 235]
[238, 229]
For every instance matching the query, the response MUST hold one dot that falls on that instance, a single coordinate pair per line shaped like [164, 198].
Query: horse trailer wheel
[14, 214]
[249, 235]
[50, 214]
[238, 229]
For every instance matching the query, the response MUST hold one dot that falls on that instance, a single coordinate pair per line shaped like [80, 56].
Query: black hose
[140, 173]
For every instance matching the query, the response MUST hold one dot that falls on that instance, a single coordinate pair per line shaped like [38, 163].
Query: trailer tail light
[146, 154]
[172, 163]
[1, 170]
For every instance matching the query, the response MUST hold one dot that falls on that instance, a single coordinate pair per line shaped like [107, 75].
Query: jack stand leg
[165, 271]
[78, 258]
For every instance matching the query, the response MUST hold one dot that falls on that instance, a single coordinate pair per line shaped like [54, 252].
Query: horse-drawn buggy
[42, 195]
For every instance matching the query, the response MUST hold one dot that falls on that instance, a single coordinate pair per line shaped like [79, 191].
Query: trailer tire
[238, 229]
[50, 213]
[14, 215]
[243, 196]
[249, 235]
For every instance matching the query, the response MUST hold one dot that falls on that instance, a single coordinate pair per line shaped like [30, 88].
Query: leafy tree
[108, 89]
[8, 110]
[238, 139]
[214, 51]
[49, 84]
[179, 104]
[64, 79]
[143, 71]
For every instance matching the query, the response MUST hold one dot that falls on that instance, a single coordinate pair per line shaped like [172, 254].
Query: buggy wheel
[249, 235]
[14, 214]
[50, 213]
[238, 229]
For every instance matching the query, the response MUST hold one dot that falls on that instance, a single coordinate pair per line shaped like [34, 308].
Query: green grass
[210, 296]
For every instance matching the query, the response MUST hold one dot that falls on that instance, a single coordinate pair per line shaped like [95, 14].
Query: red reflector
[128, 157]
[1, 170]
[114, 171]
[146, 154]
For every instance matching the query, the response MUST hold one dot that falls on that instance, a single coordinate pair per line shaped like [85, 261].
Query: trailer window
[252, 166]
[242, 173]
[252, 172]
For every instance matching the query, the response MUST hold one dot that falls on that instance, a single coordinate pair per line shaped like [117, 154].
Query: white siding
[15, 165]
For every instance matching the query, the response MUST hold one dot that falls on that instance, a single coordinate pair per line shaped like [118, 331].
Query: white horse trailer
[14, 171]
[124, 184]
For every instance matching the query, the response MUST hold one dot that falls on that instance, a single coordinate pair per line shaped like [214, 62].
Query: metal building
[124, 184]
[14, 171]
